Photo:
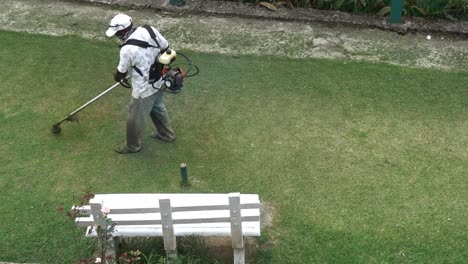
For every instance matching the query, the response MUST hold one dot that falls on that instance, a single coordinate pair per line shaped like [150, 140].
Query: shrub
[429, 8]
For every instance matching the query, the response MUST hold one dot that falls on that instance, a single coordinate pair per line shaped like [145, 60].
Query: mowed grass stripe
[363, 162]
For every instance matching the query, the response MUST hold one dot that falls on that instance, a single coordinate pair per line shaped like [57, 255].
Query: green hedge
[450, 9]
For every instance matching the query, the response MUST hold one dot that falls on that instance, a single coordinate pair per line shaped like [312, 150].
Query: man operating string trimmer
[140, 47]
[145, 57]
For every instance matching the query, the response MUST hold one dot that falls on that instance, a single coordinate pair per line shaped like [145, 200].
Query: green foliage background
[431, 8]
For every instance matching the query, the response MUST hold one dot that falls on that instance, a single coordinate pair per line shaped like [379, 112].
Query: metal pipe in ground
[184, 175]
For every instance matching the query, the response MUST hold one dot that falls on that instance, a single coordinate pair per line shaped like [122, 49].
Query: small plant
[131, 257]
[81, 201]
[69, 220]
[104, 230]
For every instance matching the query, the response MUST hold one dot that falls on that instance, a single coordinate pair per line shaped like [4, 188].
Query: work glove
[120, 77]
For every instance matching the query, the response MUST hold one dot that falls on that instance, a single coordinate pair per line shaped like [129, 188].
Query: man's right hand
[119, 77]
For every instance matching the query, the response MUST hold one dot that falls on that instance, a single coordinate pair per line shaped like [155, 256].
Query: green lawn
[363, 163]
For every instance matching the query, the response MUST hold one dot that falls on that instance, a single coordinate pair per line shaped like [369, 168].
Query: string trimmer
[72, 117]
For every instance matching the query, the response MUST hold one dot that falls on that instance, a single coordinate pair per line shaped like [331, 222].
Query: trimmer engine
[173, 78]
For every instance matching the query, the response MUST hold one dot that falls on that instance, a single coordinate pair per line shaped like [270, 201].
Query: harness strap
[138, 70]
[139, 43]
[153, 36]
[144, 44]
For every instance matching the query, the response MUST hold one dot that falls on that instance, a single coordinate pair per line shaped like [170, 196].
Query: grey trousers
[138, 112]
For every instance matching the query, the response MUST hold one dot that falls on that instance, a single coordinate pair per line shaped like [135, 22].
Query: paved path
[244, 36]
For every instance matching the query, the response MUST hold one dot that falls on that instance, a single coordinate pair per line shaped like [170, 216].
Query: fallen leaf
[269, 6]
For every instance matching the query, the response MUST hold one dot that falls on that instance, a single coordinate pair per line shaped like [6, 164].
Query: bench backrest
[232, 214]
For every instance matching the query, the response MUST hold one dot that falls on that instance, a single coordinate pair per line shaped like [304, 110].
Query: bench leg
[171, 256]
[116, 247]
[239, 255]
[110, 251]
[169, 237]
[112, 247]
[236, 228]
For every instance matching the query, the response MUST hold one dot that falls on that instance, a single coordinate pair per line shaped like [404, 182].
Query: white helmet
[117, 23]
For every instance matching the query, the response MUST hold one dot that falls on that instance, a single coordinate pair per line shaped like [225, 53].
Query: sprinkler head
[56, 129]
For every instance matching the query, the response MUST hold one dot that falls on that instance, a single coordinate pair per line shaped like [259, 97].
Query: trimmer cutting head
[56, 129]
[73, 117]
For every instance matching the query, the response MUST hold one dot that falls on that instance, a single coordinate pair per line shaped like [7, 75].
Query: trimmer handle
[125, 83]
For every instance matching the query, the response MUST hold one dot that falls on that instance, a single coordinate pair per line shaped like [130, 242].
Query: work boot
[125, 150]
[156, 135]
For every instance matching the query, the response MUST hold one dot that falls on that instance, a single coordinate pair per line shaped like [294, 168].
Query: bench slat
[216, 229]
[122, 201]
[215, 220]
[155, 219]
[84, 221]
[86, 210]
[212, 207]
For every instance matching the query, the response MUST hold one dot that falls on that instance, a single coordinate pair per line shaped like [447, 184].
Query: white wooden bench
[169, 215]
